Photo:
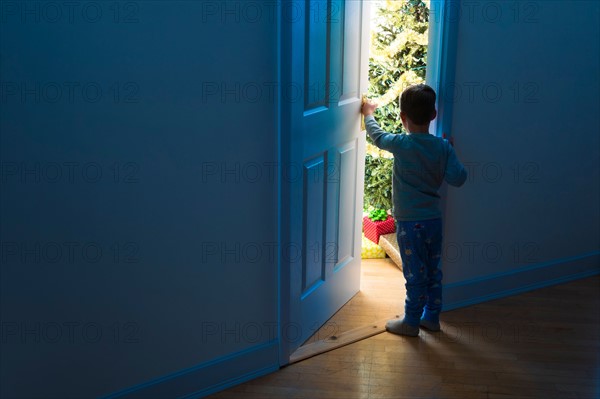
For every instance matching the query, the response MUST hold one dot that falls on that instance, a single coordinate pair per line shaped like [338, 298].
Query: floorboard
[539, 344]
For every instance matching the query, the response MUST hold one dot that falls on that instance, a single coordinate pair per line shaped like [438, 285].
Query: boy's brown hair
[418, 103]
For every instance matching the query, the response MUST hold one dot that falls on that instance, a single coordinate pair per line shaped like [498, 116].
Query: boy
[421, 163]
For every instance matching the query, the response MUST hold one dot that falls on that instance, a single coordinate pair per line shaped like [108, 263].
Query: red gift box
[373, 229]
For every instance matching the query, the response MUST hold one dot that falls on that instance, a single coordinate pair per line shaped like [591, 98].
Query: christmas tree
[397, 59]
[398, 55]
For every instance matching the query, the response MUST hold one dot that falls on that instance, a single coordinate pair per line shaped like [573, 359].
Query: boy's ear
[403, 117]
[433, 114]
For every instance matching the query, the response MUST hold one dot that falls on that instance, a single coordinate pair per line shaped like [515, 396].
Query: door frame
[441, 65]
[444, 16]
[284, 33]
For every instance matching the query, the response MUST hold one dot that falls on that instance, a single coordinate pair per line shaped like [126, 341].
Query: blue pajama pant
[420, 244]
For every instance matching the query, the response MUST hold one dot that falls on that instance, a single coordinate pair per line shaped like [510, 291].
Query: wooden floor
[540, 344]
[381, 295]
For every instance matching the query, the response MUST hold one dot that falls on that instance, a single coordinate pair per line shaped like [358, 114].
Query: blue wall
[526, 99]
[164, 295]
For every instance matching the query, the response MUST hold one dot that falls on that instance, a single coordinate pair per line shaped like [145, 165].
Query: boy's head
[417, 103]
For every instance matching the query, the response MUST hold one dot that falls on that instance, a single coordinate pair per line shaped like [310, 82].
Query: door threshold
[339, 340]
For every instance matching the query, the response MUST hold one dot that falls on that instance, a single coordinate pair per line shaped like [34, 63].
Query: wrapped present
[374, 229]
[370, 250]
[389, 243]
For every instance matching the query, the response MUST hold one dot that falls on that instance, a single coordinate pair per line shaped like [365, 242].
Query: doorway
[326, 209]
[399, 54]
[397, 59]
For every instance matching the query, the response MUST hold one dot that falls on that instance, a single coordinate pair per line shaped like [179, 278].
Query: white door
[324, 71]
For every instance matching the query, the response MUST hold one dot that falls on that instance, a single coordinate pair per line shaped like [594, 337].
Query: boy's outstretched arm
[456, 174]
[381, 139]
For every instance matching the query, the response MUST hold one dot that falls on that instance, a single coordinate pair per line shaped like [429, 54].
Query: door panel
[351, 53]
[324, 52]
[347, 203]
[316, 57]
[313, 267]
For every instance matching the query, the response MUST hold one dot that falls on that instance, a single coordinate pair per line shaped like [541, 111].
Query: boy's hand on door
[368, 108]
[450, 140]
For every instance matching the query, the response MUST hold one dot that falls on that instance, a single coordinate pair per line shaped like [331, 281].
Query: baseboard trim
[470, 292]
[208, 377]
